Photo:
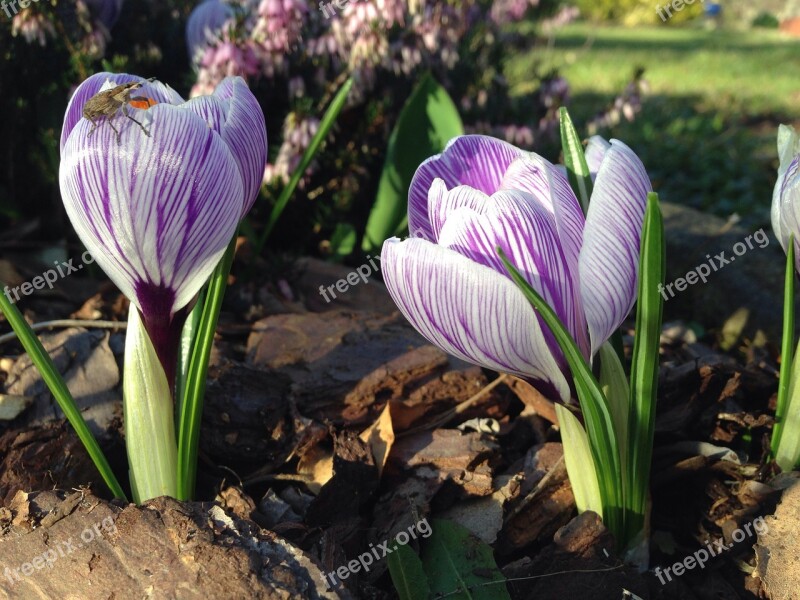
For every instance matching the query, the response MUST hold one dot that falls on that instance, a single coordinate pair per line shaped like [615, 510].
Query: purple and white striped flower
[786, 195]
[157, 211]
[481, 193]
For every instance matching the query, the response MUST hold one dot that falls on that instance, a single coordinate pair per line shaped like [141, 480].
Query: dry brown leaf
[380, 437]
[317, 464]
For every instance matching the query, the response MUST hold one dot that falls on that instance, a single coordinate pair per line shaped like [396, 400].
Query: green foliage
[408, 575]
[575, 160]
[707, 140]
[190, 405]
[55, 383]
[636, 12]
[615, 449]
[453, 563]
[766, 20]
[325, 125]
[785, 442]
[427, 122]
[623, 479]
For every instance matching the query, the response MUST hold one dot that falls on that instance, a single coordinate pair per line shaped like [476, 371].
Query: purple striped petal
[469, 310]
[788, 153]
[245, 132]
[442, 202]
[786, 205]
[156, 212]
[527, 233]
[609, 259]
[478, 161]
[161, 93]
[549, 188]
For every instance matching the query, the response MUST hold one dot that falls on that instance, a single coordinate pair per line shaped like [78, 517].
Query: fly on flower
[106, 104]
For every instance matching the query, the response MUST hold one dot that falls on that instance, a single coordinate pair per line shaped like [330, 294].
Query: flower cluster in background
[627, 105]
[89, 22]
[294, 55]
[296, 49]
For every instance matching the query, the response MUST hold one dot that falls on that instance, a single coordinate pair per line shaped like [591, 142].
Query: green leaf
[616, 389]
[408, 576]
[148, 416]
[644, 366]
[324, 127]
[787, 343]
[787, 454]
[343, 240]
[578, 458]
[55, 383]
[188, 335]
[191, 407]
[594, 406]
[427, 122]
[575, 160]
[457, 561]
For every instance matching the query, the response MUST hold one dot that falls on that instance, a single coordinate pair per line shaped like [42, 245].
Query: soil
[330, 426]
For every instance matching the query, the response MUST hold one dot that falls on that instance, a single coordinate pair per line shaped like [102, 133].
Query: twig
[7, 337]
[542, 576]
[448, 415]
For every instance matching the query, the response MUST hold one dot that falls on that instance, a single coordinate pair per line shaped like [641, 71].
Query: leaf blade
[428, 109]
[458, 564]
[55, 383]
[645, 365]
[580, 178]
[408, 576]
[594, 406]
[325, 125]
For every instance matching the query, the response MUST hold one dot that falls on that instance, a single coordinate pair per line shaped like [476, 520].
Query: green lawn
[707, 130]
[757, 71]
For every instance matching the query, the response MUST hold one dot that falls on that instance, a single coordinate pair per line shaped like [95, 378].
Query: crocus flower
[481, 193]
[158, 206]
[786, 195]
[105, 11]
[205, 25]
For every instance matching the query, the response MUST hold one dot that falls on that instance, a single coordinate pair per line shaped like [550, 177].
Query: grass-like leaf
[788, 452]
[614, 383]
[61, 393]
[324, 127]
[191, 406]
[429, 119]
[785, 444]
[580, 465]
[644, 367]
[460, 566]
[575, 160]
[787, 344]
[408, 576]
[149, 416]
[594, 406]
[188, 335]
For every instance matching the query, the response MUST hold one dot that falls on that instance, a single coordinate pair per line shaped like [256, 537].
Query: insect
[107, 103]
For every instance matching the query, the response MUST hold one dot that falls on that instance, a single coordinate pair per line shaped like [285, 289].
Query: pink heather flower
[205, 26]
[297, 135]
[33, 26]
[227, 59]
